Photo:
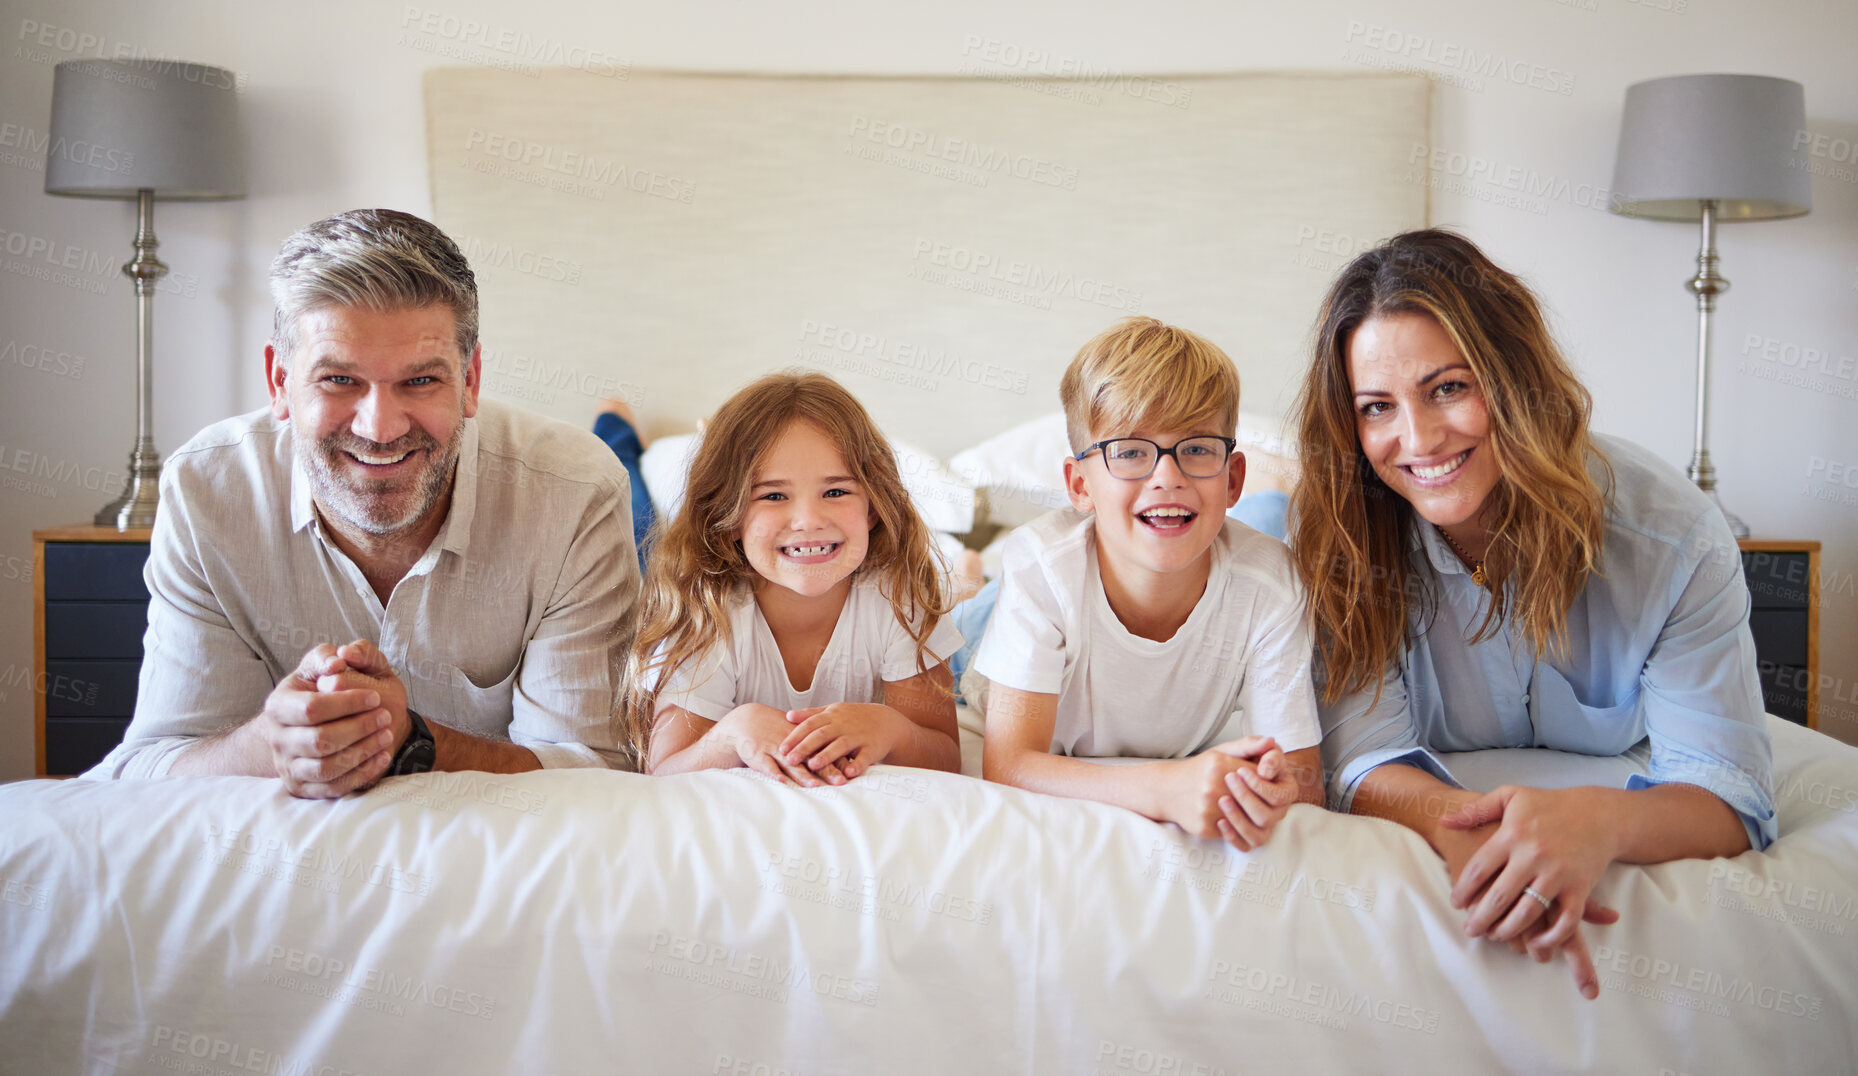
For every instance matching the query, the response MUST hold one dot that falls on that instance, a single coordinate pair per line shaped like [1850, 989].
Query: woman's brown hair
[1351, 535]
[696, 568]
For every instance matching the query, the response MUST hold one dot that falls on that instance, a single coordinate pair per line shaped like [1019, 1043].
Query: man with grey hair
[378, 573]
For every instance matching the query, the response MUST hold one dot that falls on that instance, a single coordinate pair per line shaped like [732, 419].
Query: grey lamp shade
[123, 126]
[1729, 138]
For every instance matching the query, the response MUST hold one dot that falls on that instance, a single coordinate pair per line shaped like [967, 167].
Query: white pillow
[945, 502]
[1265, 434]
[666, 467]
[1021, 471]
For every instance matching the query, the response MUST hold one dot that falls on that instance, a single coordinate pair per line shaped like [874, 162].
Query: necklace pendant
[1477, 575]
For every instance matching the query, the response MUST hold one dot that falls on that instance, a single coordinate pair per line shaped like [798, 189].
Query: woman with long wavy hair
[1483, 572]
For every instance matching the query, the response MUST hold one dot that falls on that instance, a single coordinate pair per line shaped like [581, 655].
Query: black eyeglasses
[1134, 458]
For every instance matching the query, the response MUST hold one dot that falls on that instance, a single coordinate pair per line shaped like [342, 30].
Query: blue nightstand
[90, 610]
[1783, 587]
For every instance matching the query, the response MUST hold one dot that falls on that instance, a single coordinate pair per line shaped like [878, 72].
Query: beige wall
[333, 115]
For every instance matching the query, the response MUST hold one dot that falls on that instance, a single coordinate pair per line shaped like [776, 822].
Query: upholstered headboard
[942, 245]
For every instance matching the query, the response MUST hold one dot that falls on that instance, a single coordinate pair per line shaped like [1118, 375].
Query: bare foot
[613, 405]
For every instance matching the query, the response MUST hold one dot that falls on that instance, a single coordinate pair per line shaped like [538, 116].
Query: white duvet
[910, 922]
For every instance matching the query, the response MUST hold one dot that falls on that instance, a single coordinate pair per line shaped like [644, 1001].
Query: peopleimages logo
[49, 43]
[39, 357]
[1125, 1058]
[523, 50]
[487, 254]
[1451, 57]
[40, 146]
[1521, 180]
[1069, 77]
[1020, 281]
[742, 972]
[308, 865]
[37, 248]
[578, 172]
[1657, 977]
[934, 362]
[1301, 998]
[15, 462]
[180, 1045]
[805, 878]
[985, 159]
[294, 969]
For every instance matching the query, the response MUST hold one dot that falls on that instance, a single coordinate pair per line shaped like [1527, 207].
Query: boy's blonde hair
[1143, 373]
[695, 566]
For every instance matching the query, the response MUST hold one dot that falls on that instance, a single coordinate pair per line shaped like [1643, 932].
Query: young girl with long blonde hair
[793, 618]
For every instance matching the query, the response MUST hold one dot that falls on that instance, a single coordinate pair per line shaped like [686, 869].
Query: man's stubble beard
[359, 504]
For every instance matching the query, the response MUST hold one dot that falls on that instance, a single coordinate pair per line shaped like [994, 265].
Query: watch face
[416, 756]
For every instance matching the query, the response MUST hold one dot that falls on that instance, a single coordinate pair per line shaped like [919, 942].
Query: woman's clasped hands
[1524, 862]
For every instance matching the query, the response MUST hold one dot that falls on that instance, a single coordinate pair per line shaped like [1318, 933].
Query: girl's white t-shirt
[1239, 666]
[868, 648]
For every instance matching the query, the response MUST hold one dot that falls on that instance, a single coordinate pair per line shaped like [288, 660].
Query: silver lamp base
[136, 507]
[1707, 285]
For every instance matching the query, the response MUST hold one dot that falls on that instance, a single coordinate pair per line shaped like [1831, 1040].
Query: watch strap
[417, 752]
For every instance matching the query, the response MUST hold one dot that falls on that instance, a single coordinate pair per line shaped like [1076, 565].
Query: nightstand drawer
[94, 629]
[95, 571]
[1783, 690]
[90, 612]
[91, 688]
[1778, 580]
[75, 744]
[1780, 635]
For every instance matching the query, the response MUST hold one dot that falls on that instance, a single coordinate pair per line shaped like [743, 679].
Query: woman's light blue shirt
[1659, 664]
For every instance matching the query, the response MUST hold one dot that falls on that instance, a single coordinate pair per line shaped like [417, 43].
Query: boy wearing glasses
[1146, 624]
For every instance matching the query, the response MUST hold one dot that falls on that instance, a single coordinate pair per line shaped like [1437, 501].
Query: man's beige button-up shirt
[510, 625]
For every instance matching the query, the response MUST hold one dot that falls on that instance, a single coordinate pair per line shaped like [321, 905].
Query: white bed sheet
[573, 921]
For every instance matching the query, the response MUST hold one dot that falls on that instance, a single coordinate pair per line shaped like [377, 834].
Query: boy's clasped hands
[1235, 791]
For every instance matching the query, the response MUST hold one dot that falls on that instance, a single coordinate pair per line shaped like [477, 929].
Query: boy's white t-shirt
[868, 647]
[1239, 666]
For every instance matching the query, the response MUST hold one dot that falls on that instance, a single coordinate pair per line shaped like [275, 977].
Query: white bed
[911, 922]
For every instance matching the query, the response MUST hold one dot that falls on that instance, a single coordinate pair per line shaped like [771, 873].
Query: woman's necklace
[1477, 566]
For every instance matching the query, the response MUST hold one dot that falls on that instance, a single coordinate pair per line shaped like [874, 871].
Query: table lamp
[142, 130]
[1711, 148]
